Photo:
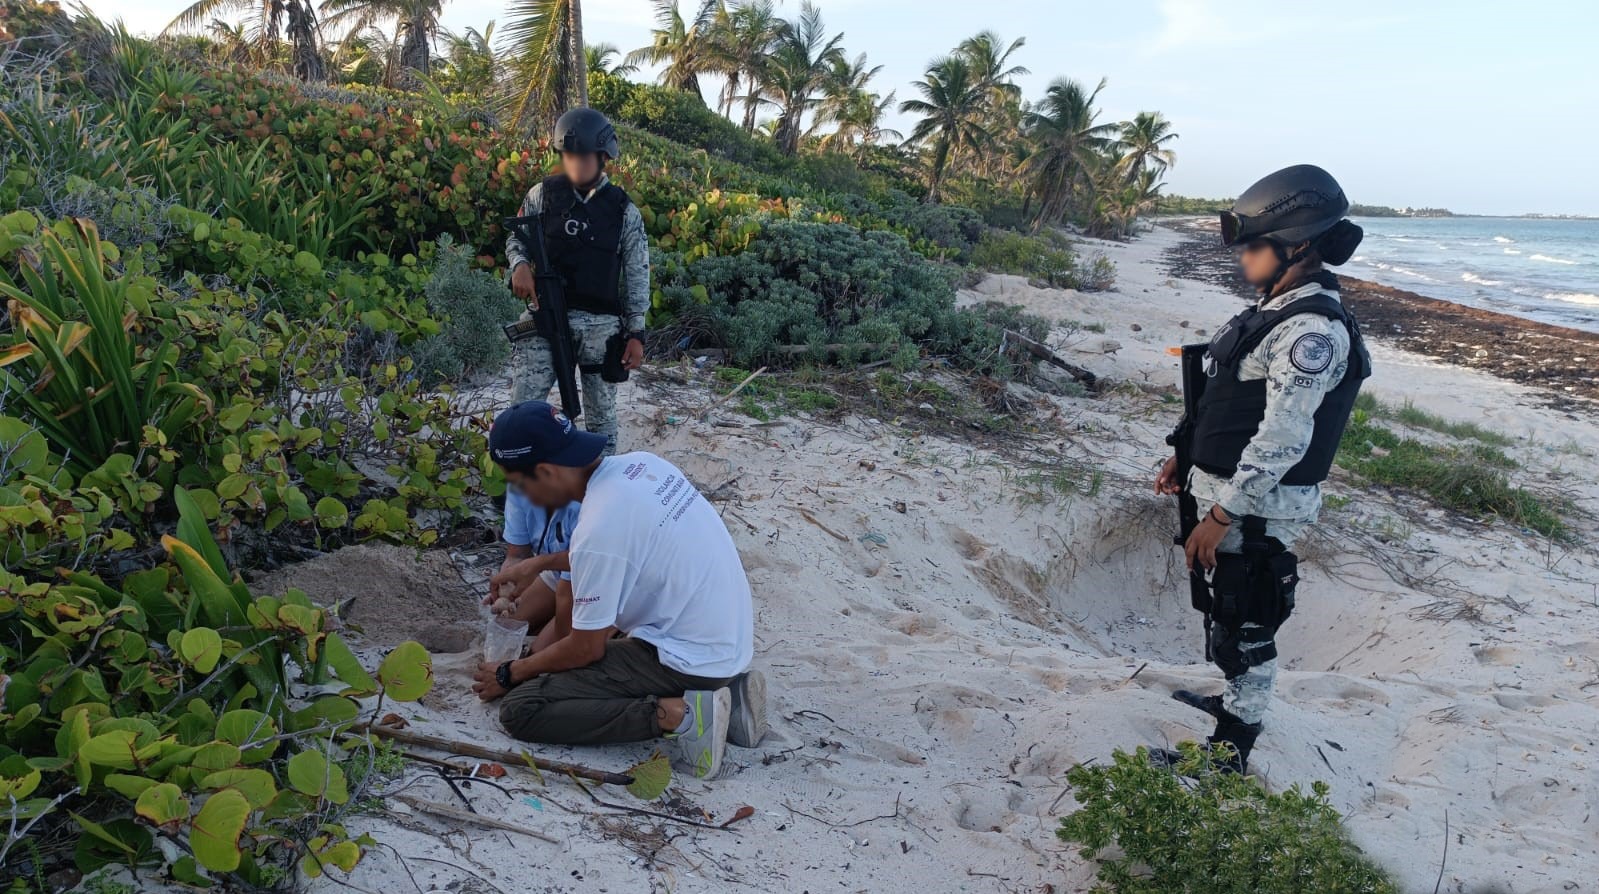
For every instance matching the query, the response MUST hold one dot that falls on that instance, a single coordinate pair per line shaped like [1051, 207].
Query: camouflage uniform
[1302, 359]
[533, 372]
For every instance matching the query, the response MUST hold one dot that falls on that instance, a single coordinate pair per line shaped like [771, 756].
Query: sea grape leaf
[162, 803]
[407, 672]
[650, 778]
[214, 834]
[201, 647]
[311, 773]
[257, 786]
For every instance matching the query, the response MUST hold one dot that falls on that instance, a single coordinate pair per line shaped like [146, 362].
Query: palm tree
[416, 24]
[469, 62]
[1066, 144]
[797, 68]
[545, 60]
[1144, 141]
[846, 81]
[860, 124]
[580, 68]
[741, 44]
[954, 100]
[599, 59]
[269, 21]
[683, 46]
[988, 56]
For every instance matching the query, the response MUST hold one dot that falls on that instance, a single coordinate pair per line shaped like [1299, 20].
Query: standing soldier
[1279, 384]
[594, 236]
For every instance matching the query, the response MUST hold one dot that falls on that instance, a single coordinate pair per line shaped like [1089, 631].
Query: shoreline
[1559, 361]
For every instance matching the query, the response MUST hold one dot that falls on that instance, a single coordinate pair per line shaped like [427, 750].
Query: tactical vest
[584, 241]
[1230, 411]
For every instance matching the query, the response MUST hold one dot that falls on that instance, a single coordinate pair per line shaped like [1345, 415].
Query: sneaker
[702, 746]
[747, 723]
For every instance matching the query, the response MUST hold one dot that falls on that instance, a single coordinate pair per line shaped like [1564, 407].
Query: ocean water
[1536, 268]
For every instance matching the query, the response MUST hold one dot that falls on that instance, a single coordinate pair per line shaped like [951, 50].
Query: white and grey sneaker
[747, 725]
[704, 740]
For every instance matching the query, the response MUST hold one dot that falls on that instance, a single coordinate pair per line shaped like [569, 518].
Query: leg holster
[1252, 594]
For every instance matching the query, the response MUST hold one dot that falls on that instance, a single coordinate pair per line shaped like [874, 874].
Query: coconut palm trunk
[579, 64]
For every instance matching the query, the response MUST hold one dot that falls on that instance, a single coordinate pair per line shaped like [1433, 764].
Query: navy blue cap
[534, 432]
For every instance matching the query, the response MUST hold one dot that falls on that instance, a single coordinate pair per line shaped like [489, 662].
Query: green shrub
[1154, 832]
[474, 306]
[160, 706]
[683, 118]
[1046, 257]
[1468, 476]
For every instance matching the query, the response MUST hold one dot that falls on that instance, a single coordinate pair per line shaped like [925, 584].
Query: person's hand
[484, 683]
[522, 285]
[513, 578]
[1166, 482]
[633, 354]
[1202, 542]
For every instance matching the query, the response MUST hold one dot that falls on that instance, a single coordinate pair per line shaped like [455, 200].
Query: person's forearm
[636, 268]
[568, 653]
[557, 561]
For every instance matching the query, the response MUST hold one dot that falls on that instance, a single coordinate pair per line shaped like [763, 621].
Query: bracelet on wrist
[1213, 517]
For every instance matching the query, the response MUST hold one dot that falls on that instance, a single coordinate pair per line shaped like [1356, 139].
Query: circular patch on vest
[1312, 352]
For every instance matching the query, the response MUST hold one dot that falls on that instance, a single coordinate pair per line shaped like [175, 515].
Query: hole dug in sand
[1114, 586]
[390, 593]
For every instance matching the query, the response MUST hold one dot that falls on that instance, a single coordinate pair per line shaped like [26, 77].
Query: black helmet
[1294, 205]
[585, 130]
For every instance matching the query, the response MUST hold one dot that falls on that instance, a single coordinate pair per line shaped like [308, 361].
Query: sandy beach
[945, 635]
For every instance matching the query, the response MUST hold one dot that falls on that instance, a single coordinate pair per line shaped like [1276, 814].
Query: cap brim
[585, 448]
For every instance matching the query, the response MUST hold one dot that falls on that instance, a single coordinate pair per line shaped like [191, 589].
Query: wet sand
[1562, 362]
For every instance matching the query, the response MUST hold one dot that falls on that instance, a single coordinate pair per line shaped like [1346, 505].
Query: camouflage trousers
[533, 372]
[1250, 681]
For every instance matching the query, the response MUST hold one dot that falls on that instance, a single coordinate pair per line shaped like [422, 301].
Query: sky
[1479, 107]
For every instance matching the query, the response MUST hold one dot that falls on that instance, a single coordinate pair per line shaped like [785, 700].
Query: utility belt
[1255, 586]
[543, 326]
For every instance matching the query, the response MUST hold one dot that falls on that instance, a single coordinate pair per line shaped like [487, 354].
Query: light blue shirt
[533, 526]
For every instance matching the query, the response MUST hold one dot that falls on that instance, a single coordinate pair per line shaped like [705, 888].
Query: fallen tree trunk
[508, 758]
[1043, 352]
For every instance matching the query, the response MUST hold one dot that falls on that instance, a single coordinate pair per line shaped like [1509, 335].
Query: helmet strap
[1285, 263]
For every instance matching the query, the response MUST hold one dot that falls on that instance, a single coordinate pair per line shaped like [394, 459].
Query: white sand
[930, 691]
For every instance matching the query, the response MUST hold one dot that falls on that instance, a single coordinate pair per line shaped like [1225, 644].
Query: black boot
[1236, 733]
[1210, 704]
[1241, 736]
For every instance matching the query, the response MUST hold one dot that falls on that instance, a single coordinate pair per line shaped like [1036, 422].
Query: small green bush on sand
[1154, 831]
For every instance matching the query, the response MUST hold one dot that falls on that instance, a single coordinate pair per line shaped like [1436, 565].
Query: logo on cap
[560, 418]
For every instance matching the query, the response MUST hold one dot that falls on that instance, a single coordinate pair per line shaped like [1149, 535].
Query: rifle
[549, 317]
[1181, 441]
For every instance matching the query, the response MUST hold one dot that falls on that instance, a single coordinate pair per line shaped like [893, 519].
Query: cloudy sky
[1484, 107]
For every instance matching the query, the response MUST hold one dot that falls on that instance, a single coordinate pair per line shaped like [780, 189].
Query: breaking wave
[1512, 251]
[1474, 278]
[1550, 260]
[1574, 298]
[1503, 239]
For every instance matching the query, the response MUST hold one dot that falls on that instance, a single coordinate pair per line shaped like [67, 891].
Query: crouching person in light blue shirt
[534, 584]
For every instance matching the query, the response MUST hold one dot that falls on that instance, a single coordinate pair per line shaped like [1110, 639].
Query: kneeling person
[652, 559]
[533, 583]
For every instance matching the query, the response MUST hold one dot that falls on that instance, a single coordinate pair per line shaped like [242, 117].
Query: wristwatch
[636, 335]
[502, 675]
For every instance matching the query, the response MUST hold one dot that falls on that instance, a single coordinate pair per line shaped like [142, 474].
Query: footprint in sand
[1338, 688]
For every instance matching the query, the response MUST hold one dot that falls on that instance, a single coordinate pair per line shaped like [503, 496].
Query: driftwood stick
[1043, 352]
[508, 758]
[729, 395]
[476, 819]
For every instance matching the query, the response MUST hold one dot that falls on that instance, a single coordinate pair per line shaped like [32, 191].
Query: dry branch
[508, 758]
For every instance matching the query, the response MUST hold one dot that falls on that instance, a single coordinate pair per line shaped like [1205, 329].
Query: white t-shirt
[651, 557]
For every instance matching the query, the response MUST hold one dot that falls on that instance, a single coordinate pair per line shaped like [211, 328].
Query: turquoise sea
[1542, 269]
